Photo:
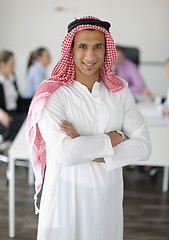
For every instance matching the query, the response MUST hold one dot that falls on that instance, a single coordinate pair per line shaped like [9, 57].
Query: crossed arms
[70, 131]
[71, 147]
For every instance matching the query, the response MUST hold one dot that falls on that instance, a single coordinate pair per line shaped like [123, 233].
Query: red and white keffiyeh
[63, 74]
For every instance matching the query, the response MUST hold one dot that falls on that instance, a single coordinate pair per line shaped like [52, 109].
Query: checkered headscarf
[64, 74]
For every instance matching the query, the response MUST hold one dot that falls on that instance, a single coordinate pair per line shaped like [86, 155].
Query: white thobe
[82, 199]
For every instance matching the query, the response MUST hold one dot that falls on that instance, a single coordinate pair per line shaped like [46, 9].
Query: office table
[18, 150]
[159, 133]
[158, 126]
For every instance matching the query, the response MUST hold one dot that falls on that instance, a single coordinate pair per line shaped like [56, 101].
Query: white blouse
[10, 92]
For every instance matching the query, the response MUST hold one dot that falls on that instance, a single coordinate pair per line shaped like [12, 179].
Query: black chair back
[133, 54]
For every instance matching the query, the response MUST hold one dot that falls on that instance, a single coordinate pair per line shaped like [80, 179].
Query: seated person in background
[127, 70]
[10, 116]
[36, 71]
[165, 108]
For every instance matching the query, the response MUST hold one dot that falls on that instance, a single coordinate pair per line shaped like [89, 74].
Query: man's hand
[115, 138]
[99, 160]
[69, 129]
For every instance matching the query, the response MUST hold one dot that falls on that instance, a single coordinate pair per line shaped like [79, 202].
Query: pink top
[129, 72]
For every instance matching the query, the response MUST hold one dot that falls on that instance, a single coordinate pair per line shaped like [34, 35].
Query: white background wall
[26, 25]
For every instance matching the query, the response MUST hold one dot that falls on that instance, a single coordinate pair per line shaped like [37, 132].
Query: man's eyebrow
[82, 43]
[93, 44]
[100, 44]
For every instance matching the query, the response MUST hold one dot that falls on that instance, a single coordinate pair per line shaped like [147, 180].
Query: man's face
[88, 53]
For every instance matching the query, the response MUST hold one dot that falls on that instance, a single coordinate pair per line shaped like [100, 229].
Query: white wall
[25, 25]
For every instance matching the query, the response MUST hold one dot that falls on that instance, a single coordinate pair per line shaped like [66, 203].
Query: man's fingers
[70, 134]
[99, 160]
[69, 129]
[65, 122]
[66, 128]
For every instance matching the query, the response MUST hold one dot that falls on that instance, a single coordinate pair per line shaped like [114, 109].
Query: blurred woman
[10, 117]
[36, 71]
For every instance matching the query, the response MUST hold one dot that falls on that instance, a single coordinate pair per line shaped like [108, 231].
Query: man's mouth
[89, 64]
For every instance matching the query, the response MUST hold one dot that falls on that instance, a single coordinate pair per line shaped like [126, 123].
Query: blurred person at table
[127, 70]
[36, 71]
[165, 108]
[11, 118]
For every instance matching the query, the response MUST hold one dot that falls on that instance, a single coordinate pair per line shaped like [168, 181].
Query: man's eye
[82, 46]
[99, 46]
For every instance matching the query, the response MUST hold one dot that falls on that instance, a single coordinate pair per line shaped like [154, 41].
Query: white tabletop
[19, 147]
[153, 114]
[158, 126]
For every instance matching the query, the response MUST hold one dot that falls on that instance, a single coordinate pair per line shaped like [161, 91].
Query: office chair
[133, 54]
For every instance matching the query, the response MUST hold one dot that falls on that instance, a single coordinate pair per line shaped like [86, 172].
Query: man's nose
[90, 55]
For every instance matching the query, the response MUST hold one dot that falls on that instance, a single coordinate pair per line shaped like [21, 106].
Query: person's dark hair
[120, 48]
[34, 55]
[5, 55]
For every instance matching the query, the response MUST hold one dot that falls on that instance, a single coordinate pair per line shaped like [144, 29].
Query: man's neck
[88, 81]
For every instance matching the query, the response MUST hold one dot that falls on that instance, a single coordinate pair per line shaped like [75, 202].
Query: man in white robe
[85, 127]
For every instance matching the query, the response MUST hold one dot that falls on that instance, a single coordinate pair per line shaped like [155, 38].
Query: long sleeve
[138, 146]
[137, 84]
[35, 75]
[71, 151]
[129, 72]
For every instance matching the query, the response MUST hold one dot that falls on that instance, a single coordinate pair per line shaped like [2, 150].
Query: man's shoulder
[57, 95]
[125, 83]
[125, 91]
